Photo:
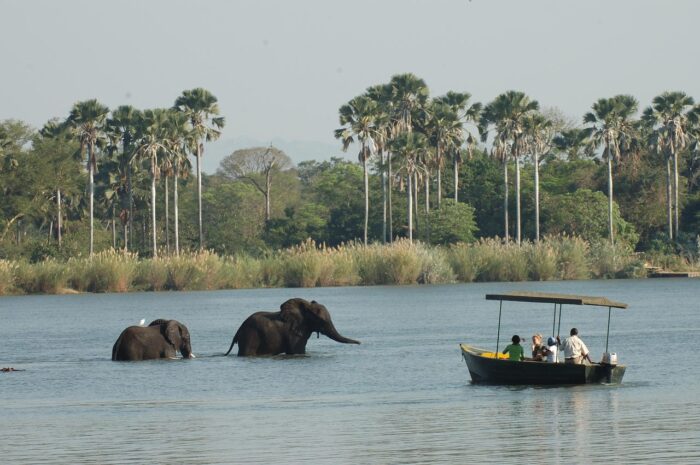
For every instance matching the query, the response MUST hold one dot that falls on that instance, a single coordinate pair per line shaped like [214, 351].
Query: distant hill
[297, 150]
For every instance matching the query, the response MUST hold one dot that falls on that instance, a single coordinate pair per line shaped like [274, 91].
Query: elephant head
[313, 317]
[176, 334]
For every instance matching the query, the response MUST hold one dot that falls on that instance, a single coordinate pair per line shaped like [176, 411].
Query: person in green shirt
[515, 350]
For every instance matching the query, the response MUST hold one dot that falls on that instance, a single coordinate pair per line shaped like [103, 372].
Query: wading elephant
[286, 331]
[160, 339]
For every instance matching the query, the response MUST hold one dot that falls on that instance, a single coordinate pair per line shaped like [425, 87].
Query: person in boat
[550, 350]
[515, 351]
[538, 350]
[575, 351]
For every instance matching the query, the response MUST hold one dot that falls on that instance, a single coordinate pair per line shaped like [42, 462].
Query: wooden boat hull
[485, 370]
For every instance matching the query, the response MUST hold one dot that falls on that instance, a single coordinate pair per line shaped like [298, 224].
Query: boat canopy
[544, 297]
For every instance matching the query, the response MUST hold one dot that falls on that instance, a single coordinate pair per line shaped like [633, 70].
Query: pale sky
[281, 69]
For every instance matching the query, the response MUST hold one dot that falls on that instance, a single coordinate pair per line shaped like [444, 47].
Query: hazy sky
[281, 69]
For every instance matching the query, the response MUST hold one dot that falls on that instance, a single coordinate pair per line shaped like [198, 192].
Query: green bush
[47, 277]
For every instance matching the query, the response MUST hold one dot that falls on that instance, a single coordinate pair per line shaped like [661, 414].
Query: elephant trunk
[333, 333]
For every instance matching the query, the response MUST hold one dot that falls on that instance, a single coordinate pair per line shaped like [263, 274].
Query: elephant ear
[171, 332]
[291, 312]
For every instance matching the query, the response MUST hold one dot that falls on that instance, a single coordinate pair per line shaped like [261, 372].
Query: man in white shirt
[575, 351]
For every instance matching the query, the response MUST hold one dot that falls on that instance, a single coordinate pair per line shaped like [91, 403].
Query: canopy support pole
[554, 321]
[498, 334]
[607, 334]
[558, 330]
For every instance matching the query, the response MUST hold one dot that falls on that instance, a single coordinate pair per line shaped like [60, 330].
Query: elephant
[286, 331]
[160, 339]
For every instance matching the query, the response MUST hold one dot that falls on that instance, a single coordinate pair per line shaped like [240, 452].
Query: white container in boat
[610, 358]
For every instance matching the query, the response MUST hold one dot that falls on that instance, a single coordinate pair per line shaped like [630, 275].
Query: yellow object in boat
[492, 355]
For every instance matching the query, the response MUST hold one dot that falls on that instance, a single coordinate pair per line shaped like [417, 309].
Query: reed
[541, 261]
[106, 271]
[152, 274]
[8, 271]
[46, 277]
[572, 256]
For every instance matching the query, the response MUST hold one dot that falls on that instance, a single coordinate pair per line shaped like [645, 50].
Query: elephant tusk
[192, 356]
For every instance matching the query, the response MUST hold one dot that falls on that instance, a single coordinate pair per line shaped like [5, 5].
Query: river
[401, 397]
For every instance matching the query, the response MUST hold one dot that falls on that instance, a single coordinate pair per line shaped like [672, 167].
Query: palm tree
[381, 94]
[122, 129]
[507, 113]
[178, 139]
[445, 130]
[409, 146]
[670, 117]
[200, 107]
[410, 95]
[538, 131]
[358, 120]
[148, 148]
[459, 102]
[87, 120]
[575, 143]
[610, 126]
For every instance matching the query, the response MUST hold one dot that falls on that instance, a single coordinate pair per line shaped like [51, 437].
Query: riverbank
[309, 265]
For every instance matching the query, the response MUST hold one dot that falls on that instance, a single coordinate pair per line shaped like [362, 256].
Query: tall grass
[309, 265]
[8, 270]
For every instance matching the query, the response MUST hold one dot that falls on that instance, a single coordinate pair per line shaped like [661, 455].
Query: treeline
[442, 170]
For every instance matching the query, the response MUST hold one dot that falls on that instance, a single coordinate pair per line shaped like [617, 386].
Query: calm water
[402, 397]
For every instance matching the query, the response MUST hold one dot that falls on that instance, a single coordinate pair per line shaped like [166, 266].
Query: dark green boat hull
[485, 370]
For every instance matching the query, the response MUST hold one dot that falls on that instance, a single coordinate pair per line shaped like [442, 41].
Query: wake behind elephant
[286, 331]
[160, 339]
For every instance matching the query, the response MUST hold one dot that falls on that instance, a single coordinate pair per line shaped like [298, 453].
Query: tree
[670, 117]
[255, 163]
[87, 120]
[381, 95]
[358, 120]
[148, 148]
[122, 129]
[409, 146]
[583, 213]
[610, 127]
[179, 140]
[459, 102]
[201, 108]
[454, 222]
[574, 143]
[507, 113]
[538, 131]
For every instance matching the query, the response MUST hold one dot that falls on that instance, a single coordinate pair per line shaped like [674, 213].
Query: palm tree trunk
[366, 179]
[517, 198]
[384, 198]
[676, 206]
[537, 198]
[409, 191]
[199, 194]
[669, 198]
[153, 208]
[91, 182]
[391, 216]
[415, 199]
[128, 239]
[268, 188]
[167, 217]
[427, 193]
[59, 221]
[610, 201]
[114, 227]
[456, 176]
[505, 199]
[175, 212]
[438, 155]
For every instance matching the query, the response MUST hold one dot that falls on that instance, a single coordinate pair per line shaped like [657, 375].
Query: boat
[489, 367]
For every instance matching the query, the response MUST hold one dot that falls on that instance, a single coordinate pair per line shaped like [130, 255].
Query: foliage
[453, 222]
